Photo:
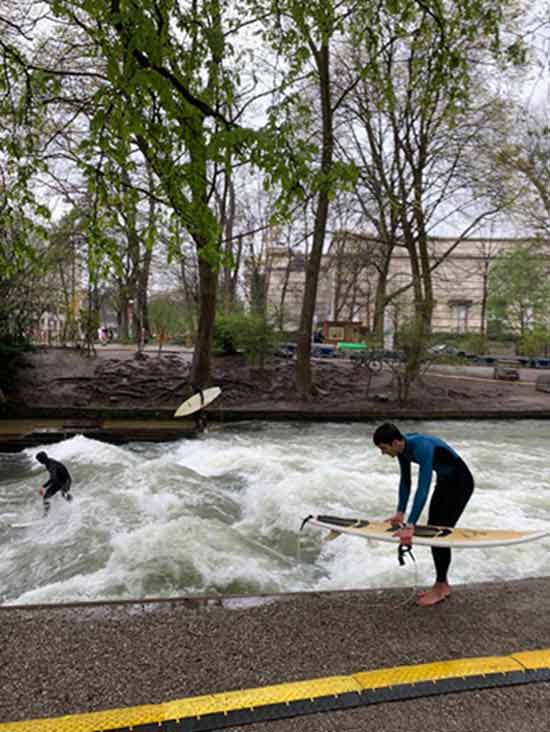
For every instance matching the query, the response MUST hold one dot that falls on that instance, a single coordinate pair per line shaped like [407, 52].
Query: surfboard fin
[332, 535]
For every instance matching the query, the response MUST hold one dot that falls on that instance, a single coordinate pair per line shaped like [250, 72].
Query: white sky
[533, 88]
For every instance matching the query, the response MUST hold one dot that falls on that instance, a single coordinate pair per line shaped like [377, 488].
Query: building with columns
[350, 271]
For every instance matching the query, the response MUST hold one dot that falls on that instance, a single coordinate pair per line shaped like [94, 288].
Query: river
[220, 514]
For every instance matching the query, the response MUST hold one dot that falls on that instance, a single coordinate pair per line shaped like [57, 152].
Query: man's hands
[405, 533]
[397, 518]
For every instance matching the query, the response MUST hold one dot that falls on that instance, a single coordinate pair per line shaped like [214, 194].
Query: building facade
[350, 271]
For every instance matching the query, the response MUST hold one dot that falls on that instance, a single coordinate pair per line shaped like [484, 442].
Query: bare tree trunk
[229, 209]
[234, 276]
[208, 283]
[303, 354]
[284, 288]
[484, 297]
[144, 269]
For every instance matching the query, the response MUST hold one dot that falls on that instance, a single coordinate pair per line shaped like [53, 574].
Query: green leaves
[519, 289]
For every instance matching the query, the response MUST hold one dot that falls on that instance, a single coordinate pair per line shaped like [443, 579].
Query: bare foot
[439, 592]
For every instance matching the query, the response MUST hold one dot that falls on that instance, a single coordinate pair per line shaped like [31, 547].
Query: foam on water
[221, 514]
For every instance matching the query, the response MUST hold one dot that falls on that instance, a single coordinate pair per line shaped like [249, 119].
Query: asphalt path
[67, 660]
[484, 372]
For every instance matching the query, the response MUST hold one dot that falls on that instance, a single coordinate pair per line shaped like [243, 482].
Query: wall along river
[220, 514]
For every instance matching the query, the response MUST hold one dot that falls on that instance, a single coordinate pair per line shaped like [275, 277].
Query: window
[336, 333]
[529, 317]
[460, 317]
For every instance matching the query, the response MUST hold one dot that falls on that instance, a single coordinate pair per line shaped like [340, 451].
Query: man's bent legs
[46, 500]
[448, 502]
[52, 490]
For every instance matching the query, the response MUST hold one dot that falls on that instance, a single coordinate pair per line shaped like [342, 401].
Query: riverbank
[117, 397]
[69, 659]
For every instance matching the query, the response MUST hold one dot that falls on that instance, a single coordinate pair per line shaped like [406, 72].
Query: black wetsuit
[59, 480]
[453, 488]
[451, 494]
[199, 416]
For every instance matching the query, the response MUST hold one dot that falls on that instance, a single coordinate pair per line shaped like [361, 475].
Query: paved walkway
[70, 660]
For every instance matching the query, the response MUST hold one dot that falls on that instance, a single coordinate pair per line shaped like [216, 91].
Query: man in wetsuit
[453, 488]
[199, 416]
[59, 480]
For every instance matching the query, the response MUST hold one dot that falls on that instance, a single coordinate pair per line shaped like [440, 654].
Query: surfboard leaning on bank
[197, 402]
[425, 535]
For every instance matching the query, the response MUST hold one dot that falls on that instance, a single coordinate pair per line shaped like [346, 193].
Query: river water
[220, 514]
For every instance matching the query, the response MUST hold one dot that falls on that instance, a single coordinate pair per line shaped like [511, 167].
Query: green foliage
[89, 322]
[413, 340]
[469, 342]
[165, 318]
[475, 343]
[535, 343]
[227, 330]
[519, 291]
[248, 333]
[22, 216]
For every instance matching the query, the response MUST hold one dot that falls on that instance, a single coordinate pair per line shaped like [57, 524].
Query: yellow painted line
[198, 706]
[437, 671]
[533, 660]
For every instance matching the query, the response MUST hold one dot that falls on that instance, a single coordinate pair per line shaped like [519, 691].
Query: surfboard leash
[402, 551]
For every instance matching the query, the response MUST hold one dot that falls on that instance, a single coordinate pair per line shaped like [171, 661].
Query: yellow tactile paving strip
[199, 706]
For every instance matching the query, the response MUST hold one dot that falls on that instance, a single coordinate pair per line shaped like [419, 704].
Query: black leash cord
[402, 550]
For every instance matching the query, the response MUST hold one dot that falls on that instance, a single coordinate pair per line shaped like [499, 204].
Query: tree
[22, 216]
[165, 318]
[522, 160]
[164, 75]
[304, 32]
[519, 290]
[409, 110]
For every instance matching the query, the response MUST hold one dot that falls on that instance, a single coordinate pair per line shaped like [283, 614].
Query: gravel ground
[68, 659]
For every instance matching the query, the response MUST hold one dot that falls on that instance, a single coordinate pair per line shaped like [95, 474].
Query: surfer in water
[59, 480]
[453, 488]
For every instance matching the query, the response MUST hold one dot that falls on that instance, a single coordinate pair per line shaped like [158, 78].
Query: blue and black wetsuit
[453, 488]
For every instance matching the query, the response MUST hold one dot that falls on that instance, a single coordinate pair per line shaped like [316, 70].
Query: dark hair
[386, 434]
[42, 457]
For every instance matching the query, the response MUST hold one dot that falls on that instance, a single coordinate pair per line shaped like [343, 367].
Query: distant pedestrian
[59, 480]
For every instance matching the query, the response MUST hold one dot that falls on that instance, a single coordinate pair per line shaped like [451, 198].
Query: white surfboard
[194, 403]
[426, 535]
[26, 525]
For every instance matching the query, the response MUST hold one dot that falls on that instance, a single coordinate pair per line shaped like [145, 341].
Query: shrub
[247, 333]
[534, 343]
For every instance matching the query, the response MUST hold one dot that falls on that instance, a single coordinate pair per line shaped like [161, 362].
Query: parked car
[444, 349]
[494, 360]
[323, 350]
[285, 350]
[484, 360]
